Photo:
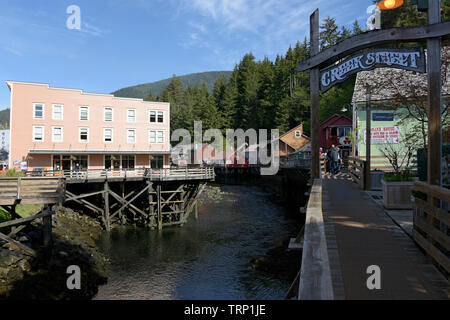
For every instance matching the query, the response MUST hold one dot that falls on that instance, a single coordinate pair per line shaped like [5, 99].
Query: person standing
[334, 159]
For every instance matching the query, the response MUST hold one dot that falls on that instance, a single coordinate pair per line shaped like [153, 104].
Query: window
[108, 114]
[298, 134]
[38, 111]
[156, 162]
[128, 162]
[84, 135]
[84, 113]
[131, 115]
[58, 112]
[152, 116]
[107, 135]
[160, 136]
[152, 137]
[38, 133]
[131, 136]
[156, 116]
[156, 136]
[57, 134]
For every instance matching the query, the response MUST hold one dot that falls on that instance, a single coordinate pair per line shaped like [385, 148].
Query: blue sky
[126, 42]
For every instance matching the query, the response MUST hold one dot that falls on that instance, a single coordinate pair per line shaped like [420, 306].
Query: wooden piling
[107, 217]
[158, 199]
[47, 230]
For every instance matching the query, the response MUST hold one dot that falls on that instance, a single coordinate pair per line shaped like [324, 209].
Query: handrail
[315, 274]
[153, 174]
[431, 215]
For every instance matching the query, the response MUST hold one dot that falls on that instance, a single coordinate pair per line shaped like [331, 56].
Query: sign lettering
[412, 59]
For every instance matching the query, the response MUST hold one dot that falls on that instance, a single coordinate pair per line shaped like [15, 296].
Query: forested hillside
[4, 119]
[142, 91]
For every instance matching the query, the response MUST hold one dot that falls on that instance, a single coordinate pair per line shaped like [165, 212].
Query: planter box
[397, 195]
[376, 177]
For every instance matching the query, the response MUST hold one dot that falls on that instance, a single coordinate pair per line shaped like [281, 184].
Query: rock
[24, 265]
[24, 239]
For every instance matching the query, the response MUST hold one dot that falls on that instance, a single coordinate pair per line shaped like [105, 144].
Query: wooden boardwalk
[352, 233]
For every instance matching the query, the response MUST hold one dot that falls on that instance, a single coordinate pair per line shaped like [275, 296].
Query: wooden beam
[158, 198]
[106, 212]
[134, 198]
[315, 274]
[86, 203]
[84, 195]
[372, 39]
[25, 220]
[315, 98]
[18, 245]
[434, 97]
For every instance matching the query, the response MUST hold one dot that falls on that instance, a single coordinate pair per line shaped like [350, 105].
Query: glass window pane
[160, 116]
[152, 136]
[160, 136]
[131, 115]
[152, 116]
[108, 114]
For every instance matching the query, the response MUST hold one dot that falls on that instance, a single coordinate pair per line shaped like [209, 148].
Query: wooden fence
[358, 171]
[166, 174]
[36, 190]
[432, 222]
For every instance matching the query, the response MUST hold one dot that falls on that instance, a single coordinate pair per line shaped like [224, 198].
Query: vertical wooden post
[182, 206]
[368, 140]
[196, 209]
[47, 230]
[106, 200]
[315, 98]
[434, 98]
[158, 199]
[151, 212]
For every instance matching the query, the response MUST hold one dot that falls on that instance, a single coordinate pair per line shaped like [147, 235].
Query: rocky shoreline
[45, 277]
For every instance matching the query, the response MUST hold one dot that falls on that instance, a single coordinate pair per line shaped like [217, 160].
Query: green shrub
[14, 173]
[398, 177]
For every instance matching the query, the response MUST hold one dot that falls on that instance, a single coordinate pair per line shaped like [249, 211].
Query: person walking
[334, 159]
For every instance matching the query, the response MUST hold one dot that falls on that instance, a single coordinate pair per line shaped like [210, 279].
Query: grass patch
[24, 211]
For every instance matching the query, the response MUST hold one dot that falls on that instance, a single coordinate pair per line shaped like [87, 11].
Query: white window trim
[53, 111]
[104, 114]
[135, 115]
[79, 113]
[62, 133]
[163, 136]
[156, 136]
[43, 133]
[112, 135]
[163, 114]
[34, 111]
[135, 136]
[79, 135]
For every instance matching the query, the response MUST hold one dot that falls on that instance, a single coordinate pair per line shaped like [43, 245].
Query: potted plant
[397, 185]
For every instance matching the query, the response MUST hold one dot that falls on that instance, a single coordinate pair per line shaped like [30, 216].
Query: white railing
[206, 173]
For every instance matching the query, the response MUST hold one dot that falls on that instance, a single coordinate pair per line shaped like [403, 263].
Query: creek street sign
[412, 59]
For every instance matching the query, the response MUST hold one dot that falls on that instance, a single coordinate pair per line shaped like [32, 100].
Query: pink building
[62, 129]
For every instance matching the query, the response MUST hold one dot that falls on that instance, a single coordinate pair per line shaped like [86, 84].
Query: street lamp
[389, 4]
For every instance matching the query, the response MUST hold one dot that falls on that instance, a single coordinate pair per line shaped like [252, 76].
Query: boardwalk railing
[206, 173]
[296, 163]
[28, 190]
[315, 274]
[432, 222]
[358, 171]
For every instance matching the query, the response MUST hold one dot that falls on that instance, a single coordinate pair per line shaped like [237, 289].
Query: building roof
[386, 84]
[334, 118]
[9, 83]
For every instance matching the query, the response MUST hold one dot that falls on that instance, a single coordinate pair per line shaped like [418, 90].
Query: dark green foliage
[4, 119]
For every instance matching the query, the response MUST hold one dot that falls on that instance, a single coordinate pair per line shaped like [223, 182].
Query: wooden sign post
[434, 98]
[315, 99]
[408, 59]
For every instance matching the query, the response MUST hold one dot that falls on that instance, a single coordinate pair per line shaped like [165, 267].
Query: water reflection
[208, 258]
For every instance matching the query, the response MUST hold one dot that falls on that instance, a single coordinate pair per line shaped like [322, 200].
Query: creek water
[208, 258]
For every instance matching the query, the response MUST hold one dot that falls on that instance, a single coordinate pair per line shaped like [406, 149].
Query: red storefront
[336, 130]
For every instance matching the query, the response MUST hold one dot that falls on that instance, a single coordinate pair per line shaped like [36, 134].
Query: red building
[336, 130]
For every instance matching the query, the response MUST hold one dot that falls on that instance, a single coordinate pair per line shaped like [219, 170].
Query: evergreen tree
[330, 34]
